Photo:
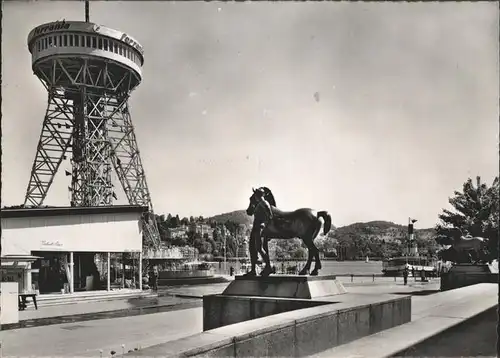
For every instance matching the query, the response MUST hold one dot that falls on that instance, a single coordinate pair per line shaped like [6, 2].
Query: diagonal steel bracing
[87, 115]
[125, 154]
[54, 142]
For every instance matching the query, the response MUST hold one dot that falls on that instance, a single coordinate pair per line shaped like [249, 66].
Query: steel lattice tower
[89, 72]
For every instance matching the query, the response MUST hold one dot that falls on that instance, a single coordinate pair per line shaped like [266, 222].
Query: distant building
[202, 229]
[243, 248]
[189, 253]
[177, 233]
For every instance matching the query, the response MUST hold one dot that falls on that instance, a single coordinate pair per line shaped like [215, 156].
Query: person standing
[405, 276]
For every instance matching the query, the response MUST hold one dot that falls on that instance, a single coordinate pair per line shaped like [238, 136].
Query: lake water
[351, 267]
[330, 267]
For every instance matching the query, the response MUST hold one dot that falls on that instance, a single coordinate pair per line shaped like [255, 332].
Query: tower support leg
[55, 139]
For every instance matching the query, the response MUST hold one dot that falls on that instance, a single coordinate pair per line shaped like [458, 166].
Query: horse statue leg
[307, 266]
[267, 259]
[317, 261]
[253, 253]
[264, 253]
[312, 251]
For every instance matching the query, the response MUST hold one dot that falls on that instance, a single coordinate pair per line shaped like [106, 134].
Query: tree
[286, 249]
[162, 226]
[475, 211]
[299, 253]
[190, 235]
[179, 241]
[206, 248]
[198, 244]
[326, 244]
[191, 219]
[174, 222]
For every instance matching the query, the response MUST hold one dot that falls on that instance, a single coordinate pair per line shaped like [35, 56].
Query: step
[53, 300]
[190, 281]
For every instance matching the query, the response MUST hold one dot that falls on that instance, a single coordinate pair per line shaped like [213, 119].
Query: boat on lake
[396, 265]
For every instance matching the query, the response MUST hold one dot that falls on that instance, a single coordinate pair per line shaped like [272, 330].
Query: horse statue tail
[328, 221]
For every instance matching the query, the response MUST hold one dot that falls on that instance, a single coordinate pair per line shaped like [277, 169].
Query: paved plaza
[86, 337]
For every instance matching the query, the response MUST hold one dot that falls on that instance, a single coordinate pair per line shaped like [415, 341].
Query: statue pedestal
[248, 298]
[285, 286]
[461, 275]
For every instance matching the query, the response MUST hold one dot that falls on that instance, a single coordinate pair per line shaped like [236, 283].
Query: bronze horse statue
[302, 223]
[466, 248]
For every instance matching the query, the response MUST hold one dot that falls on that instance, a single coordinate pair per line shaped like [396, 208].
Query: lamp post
[225, 257]
[224, 233]
[410, 235]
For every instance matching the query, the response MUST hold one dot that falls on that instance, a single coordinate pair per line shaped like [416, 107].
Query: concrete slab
[222, 310]
[434, 314]
[289, 333]
[456, 341]
[85, 339]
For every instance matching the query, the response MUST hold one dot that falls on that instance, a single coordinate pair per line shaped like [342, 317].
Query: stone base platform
[433, 317]
[462, 275]
[248, 298]
[248, 320]
[285, 286]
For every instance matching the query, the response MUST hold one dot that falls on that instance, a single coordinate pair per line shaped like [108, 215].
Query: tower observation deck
[89, 72]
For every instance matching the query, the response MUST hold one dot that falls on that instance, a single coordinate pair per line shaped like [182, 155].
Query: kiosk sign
[46, 243]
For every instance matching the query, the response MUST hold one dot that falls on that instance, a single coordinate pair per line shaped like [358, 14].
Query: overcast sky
[406, 106]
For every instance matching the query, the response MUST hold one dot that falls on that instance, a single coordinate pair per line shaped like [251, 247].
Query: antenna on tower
[87, 11]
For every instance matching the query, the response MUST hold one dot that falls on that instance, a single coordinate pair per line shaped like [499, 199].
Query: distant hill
[238, 216]
[385, 231]
[381, 239]
[373, 239]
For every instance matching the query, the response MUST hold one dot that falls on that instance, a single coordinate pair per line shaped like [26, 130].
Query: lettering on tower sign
[55, 26]
[125, 38]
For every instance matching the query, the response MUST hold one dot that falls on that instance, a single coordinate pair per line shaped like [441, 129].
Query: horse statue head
[257, 195]
[456, 234]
